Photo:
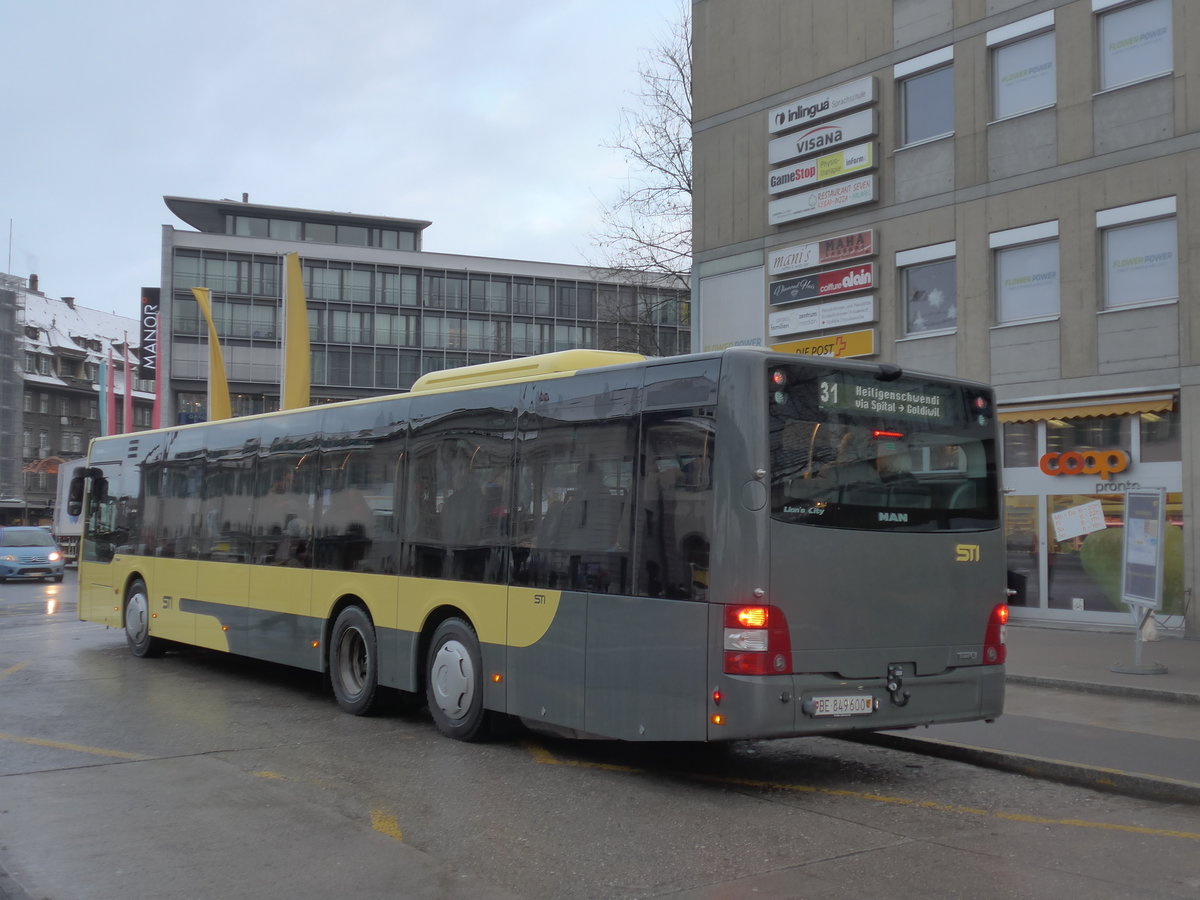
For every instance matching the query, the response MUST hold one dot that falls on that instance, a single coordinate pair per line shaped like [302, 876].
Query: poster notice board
[1142, 559]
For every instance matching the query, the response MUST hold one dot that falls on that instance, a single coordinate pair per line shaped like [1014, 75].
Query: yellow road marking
[385, 823]
[274, 776]
[12, 670]
[543, 756]
[78, 748]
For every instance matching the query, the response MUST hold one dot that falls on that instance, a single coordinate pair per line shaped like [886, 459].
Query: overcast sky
[487, 118]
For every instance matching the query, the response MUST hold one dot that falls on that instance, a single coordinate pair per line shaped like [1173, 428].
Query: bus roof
[564, 362]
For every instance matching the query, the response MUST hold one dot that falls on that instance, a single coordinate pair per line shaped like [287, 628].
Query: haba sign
[854, 192]
[823, 284]
[814, 107]
[838, 164]
[839, 346]
[811, 141]
[841, 248]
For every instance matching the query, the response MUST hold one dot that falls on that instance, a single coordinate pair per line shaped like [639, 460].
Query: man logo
[966, 553]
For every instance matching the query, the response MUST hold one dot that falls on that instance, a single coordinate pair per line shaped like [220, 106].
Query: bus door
[117, 533]
[224, 547]
[279, 596]
[172, 590]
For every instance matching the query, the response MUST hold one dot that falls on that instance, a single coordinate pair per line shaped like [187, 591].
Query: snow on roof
[62, 326]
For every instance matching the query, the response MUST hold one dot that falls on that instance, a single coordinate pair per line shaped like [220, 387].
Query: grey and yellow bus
[720, 546]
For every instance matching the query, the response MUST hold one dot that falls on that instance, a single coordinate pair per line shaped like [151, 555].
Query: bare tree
[646, 232]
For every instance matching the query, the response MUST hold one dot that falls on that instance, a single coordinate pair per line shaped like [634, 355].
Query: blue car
[27, 552]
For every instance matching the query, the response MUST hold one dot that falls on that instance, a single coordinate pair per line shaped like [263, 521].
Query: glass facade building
[381, 310]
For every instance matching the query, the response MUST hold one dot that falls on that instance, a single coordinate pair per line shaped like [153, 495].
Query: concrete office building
[997, 190]
[382, 311]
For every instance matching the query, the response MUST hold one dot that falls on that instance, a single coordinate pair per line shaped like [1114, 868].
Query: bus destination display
[845, 392]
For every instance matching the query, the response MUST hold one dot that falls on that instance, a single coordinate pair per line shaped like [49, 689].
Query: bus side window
[675, 507]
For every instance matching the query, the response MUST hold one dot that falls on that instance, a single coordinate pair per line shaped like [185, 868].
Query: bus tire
[137, 622]
[454, 682]
[354, 661]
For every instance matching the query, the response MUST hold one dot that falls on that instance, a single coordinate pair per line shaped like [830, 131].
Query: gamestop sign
[824, 168]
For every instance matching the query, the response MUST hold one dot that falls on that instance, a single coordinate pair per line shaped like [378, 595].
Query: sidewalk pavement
[1070, 718]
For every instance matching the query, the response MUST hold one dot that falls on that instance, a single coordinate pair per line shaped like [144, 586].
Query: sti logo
[966, 553]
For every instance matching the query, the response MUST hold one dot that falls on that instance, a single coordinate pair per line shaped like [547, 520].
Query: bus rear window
[851, 451]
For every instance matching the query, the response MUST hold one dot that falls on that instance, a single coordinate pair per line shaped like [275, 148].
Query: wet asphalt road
[201, 775]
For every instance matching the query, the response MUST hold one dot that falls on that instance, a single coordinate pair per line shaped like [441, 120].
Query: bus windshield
[849, 450]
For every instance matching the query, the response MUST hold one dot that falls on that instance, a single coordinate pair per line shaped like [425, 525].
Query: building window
[250, 226]
[324, 284]
[1141, 264]
[320, 232]
[409, 285]
[926, 96]
[349, 327]
[927, 278]
[1135, 41]
[1081, 573]
[285, 230]
[1160, 437]
[352, 234]
[1097, 433]
[1027, 272]
[1023, 66]
[1020, 444]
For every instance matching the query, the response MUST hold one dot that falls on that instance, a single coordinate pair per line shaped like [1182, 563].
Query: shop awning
[1123, 406]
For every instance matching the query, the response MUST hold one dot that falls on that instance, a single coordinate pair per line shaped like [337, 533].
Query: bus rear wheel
[454, 682]
[137, 622]
[354, 661]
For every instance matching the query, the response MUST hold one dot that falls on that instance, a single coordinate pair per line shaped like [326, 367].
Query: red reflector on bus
[886, 434]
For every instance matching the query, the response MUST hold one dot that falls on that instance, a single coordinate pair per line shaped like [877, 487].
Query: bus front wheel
[454, 682]
[354, 661]
[137, 622]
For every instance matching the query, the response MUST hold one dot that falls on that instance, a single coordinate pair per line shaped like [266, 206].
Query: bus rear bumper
[815, 704]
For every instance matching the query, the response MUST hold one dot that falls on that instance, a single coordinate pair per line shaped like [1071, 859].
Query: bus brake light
[994, 650]
[756, 641]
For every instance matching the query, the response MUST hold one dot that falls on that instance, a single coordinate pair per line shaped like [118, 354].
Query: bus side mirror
[75, 494]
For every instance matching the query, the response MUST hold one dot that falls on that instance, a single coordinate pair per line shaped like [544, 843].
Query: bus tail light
[756, 641]
[994, 649]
